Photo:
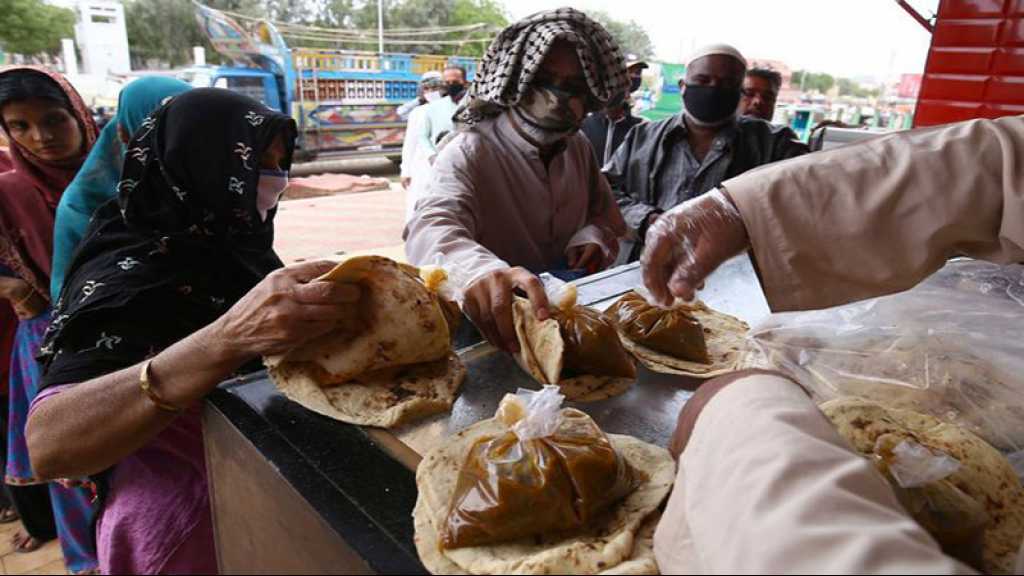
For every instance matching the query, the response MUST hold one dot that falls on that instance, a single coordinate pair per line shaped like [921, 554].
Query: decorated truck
[345, 102]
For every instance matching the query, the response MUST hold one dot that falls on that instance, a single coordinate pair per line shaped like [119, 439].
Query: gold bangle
[151, 393]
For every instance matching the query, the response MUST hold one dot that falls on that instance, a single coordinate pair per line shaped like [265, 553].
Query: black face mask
[711, 104]
[634, 84]
[455, 89]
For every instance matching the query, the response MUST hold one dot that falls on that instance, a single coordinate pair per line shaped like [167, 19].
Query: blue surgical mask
[271, 186]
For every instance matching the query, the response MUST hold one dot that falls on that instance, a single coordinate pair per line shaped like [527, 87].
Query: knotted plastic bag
[920, 479]
[673, 330]
[592, 346]
[554, 471]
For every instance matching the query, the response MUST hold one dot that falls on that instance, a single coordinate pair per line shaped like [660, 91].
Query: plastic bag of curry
[553, 472]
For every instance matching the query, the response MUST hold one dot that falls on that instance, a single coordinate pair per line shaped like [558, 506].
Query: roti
[984, 475]
[401, 322]
[388, 398]
[620, 544]
[541, 356]
[725, 336]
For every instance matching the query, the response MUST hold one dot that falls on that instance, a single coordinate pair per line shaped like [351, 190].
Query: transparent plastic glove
[687, 243]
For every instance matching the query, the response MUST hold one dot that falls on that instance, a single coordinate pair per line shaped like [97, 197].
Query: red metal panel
[962, 60]
[975, 66]
[1000, 110]
[1013, 32]
[1004, 90]
[957, 88]
[970, 8]
[931, 112]
[1009, 61]
[966, 33]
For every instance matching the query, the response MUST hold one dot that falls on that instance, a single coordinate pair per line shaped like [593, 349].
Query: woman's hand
[287, 309]
[27, 303]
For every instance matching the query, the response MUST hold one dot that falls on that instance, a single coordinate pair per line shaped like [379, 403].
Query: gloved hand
[687, 243]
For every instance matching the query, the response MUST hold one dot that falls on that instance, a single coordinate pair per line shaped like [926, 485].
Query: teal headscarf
[97, 181]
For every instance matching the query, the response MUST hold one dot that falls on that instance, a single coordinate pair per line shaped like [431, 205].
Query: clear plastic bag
[592, 346]
[952, 347]
[673, 330]
[553, 471]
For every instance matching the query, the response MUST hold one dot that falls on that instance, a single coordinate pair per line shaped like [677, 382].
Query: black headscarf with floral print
[184, 240]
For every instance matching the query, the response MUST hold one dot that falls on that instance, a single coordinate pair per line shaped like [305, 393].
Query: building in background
[101, 36]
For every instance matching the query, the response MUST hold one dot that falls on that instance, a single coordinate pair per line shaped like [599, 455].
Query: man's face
[453, 76]
[716, 70]
[758, 98]
[636, 74]
[561, 69]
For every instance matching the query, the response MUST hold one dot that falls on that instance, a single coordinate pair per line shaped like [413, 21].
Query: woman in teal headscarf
[97, 181]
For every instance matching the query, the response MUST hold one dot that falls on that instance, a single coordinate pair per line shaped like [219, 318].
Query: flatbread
[725, 336]
[612, 545]
[985, 475]
[589, 388]
[387, 398]
[402, 323]
[541, 356]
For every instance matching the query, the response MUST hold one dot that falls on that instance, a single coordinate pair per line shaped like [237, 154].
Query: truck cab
[257, 84]
[344, 102]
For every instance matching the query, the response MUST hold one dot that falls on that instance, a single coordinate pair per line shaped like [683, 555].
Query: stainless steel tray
[647, 411]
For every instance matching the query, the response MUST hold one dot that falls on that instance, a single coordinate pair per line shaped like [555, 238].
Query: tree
[32, 27]
[632, 37]
[848, 87]
[167, 29]
[820, 82]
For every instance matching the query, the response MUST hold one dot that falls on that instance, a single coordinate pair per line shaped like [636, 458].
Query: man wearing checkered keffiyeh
[517, 191]
[515, 56]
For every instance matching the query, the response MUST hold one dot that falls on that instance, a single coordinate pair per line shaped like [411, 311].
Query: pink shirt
[156, 519]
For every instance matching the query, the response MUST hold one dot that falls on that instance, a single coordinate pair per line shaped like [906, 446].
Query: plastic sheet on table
[952, 347]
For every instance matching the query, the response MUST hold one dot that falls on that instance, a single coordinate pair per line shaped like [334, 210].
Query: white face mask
[271, 186]
[432, 96]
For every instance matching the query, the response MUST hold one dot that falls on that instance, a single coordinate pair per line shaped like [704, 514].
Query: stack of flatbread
[984, 484]
[393, 363]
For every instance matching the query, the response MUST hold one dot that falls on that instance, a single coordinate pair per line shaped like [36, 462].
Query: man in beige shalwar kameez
[782, 492]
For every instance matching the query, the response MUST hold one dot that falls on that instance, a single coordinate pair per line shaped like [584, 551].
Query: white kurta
[491, 203]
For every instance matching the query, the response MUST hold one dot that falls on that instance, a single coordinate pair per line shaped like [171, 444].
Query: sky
[845, 38]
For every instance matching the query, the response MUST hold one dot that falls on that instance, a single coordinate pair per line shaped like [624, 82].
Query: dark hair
[462, 69]
[768, 74]
[18, 85]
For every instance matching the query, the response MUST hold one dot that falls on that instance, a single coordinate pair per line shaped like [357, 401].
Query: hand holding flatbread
[391, 364]
[576, 349]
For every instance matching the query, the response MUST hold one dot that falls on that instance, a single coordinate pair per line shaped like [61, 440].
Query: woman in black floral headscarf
[175, 286]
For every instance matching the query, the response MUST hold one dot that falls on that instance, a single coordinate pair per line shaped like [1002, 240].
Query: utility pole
[380, 26]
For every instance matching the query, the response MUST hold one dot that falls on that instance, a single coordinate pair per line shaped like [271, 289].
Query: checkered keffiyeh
[516, 54]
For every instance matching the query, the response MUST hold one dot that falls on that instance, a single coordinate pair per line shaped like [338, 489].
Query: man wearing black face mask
[517, 190]
[438, 115]
[662, 164]
[608, 128]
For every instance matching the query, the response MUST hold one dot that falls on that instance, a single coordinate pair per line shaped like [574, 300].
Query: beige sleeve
[782, 493]
[443, 227]
[878, 217]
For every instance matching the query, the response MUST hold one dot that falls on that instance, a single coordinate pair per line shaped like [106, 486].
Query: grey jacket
[634, 171]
